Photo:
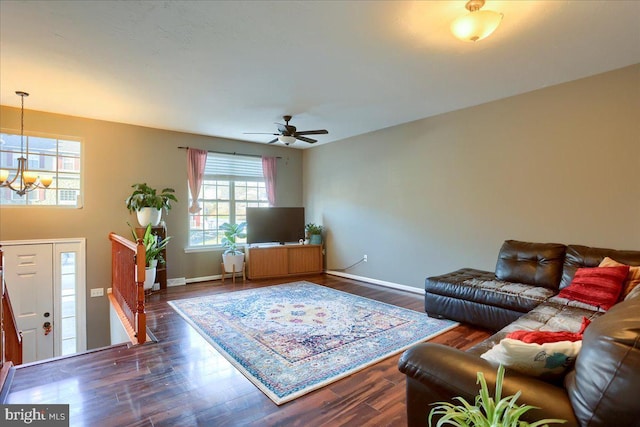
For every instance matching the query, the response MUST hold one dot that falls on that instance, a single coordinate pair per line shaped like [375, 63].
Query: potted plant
[488, 411]
[149, 204]
[232, 257]
[154, 246]
[314, 233]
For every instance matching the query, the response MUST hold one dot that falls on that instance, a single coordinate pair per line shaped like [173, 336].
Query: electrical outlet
[364, 258]
[97, 292]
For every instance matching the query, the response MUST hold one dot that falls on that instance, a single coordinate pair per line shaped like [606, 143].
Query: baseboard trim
[377, 282]
[178, 281]
[331, 272]
[203, 279]
[209, 278]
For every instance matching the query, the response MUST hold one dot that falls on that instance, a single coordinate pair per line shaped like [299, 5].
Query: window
[58, 158]
[231, 184]
[68, 296]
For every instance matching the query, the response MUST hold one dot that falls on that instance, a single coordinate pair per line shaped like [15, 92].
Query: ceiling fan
[288, 133]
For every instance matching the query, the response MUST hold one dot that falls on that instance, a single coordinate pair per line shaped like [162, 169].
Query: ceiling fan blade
[259, 133]
[272, 141]
[305, 139]
[313, 132]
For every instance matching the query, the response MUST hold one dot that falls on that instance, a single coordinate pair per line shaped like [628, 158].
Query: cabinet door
[267, 262]
[305, 259]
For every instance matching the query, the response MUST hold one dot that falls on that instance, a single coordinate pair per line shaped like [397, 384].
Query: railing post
[140, 267]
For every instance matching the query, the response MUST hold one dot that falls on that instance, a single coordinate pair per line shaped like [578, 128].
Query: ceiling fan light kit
[477, 24]
[288, 134]
[287, 140]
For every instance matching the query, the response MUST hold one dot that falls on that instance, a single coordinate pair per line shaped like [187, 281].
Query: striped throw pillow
[599, 286]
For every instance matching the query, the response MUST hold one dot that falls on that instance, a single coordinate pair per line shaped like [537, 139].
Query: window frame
[214, 179]
[57, 173]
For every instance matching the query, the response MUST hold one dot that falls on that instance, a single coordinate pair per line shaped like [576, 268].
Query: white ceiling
[222, 68]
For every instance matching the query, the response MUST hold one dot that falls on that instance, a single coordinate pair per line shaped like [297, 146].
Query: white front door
[29, 279]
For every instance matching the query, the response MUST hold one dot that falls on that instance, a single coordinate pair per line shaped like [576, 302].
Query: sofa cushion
[633, 278]
[551, 315]
[606, 378]
[599, 286]
[481, 287]
[584, 256]
[557, 299]
[536, 264]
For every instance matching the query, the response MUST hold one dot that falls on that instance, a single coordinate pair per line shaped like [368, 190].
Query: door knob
[47, 328]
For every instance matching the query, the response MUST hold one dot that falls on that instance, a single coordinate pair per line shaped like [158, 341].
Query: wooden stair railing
[127, 285]
[10, 336]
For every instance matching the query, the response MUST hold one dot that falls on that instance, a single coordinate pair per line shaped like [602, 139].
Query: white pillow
[545, 360]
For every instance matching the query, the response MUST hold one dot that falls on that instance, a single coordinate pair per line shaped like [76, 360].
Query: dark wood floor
[183, 381]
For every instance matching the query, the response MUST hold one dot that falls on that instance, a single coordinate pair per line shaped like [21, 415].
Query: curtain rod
[233, 154]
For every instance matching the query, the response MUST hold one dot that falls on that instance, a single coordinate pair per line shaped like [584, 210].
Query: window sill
[216, 248]
[196, 249]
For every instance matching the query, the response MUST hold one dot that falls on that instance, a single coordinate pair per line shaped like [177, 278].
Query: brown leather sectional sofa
[602, 388]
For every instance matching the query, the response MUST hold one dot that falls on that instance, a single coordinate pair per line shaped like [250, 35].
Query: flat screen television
[275, 225]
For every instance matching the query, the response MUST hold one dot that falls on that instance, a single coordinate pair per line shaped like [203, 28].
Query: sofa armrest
[437, 372]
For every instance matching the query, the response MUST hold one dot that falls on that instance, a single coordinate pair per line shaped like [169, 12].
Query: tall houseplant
[148, 203]
[232, 257]
[487, 411]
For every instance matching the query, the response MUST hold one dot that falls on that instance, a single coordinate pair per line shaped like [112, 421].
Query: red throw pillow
[598, 286]
[542, 337]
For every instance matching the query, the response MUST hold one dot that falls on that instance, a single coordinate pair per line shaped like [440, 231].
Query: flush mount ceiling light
[24, 179]
[477, 24]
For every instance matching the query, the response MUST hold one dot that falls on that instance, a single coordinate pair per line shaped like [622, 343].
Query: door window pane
[67, 329]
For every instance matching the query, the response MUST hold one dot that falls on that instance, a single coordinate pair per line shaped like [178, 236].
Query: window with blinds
[231, 184]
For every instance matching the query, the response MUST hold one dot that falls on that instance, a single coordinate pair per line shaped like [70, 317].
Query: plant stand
[233, 273]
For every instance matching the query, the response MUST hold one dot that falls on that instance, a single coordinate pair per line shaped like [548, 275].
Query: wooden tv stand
[283, 260]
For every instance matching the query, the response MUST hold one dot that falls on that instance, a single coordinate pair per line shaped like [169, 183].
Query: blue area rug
[294, 338]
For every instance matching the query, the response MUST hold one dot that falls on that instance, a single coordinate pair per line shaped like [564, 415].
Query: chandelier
[25, 180]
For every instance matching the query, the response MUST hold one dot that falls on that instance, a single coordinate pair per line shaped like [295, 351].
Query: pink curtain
[269, 168]
[196, 160]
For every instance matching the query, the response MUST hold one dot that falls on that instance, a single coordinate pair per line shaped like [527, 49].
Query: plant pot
[232, 262]
[149, 278]
[148, 216]
[316, 239]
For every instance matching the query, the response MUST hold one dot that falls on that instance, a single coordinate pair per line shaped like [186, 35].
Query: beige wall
[560, 164]
[115, 157]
